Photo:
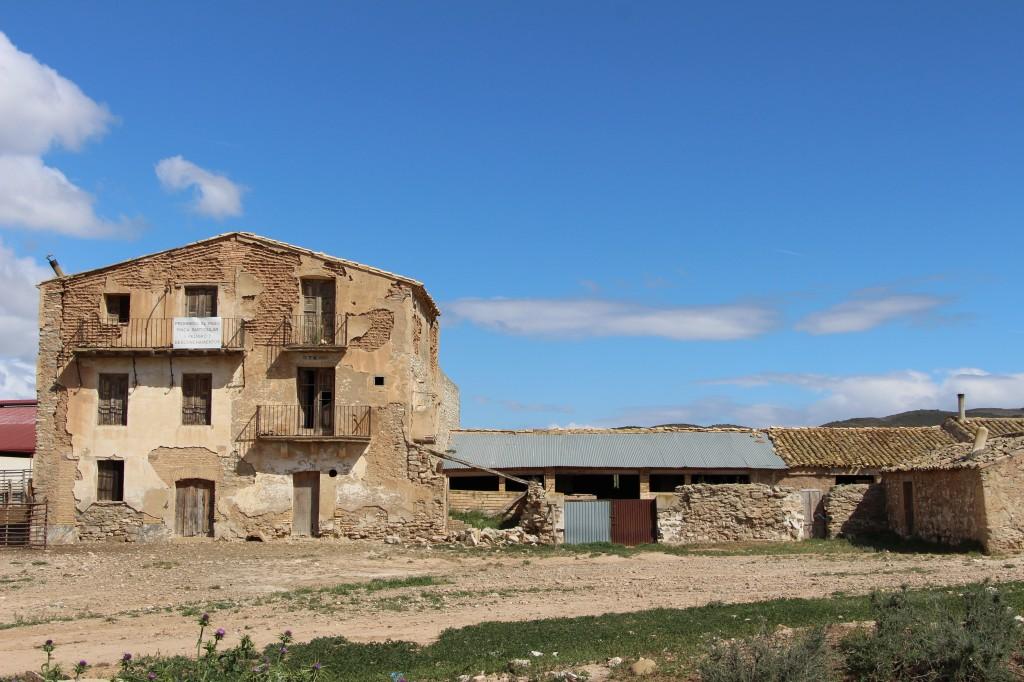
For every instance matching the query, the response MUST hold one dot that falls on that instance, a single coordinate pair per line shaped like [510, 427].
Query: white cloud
[39, 110]
[19, 328]
[216, 195]
[863, 314]
[17, 379]
[591, 317]
[877, 395]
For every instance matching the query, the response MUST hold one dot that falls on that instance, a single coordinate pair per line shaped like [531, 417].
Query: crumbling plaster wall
[948, 505]
[260, 283]
[729, 513]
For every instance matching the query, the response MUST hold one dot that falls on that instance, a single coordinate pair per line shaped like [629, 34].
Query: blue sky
[629, 212]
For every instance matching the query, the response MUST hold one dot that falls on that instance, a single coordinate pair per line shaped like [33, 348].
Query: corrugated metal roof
[657, 450]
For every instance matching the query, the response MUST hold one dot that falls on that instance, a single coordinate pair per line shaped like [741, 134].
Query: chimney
[55, 265]
[980, 439]
[961, 404]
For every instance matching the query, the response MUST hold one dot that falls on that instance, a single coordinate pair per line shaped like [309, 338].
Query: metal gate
[588, 521]
[633, 522]
[23, 524]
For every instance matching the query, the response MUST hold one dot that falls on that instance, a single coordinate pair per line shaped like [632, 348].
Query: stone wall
[110, 521]
[1003, 483]
[856, 510]
[948, 505]
[730, 513]
[541, 516]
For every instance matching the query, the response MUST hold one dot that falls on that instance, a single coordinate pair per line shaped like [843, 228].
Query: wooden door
[814, 514]
[193, 509]
[306, 503]
[316, 398]
[318, 312]
[908, 506]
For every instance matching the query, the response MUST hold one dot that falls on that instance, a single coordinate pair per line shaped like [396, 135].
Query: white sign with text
[197, 332]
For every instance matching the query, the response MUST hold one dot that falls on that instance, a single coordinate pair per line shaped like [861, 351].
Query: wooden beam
[495, 472]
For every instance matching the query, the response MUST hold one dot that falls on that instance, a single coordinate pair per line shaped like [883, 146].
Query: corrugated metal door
[589, 521]
[633, 522]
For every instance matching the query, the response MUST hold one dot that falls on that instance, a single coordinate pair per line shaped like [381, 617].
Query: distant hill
[924, 417]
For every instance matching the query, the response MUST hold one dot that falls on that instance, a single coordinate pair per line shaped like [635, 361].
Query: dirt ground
[97, 601]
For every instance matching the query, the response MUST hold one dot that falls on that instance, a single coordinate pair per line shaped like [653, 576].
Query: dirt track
[98, 601]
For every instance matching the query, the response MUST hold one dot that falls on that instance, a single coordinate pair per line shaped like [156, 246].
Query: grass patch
[676, 638]
[477, 519]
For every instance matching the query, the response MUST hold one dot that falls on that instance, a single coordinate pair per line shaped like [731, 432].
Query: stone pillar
[501, 484]
[549, 481]
[645, 483]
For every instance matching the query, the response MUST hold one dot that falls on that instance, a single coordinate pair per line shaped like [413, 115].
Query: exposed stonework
[856, 510]
[729, 513]
[540, 516]
[372, 485]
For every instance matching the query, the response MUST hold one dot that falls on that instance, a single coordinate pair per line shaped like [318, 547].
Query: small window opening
[488, 483]
[333, 473]
[720, 478]
[196, 397]
[118, 308]
[110, 480]
[378, 381]
[113, 400]
[850, 480]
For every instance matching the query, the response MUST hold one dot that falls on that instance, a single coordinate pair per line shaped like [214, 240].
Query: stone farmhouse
[241, 388]
[968, 492]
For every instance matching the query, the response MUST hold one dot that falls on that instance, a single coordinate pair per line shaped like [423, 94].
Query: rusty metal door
[306, 503]
[814, 514]
[588, 521]
[193, 508]
[633, 522]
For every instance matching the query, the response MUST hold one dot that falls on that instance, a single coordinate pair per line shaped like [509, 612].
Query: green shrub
[925, 640]
[770, 657]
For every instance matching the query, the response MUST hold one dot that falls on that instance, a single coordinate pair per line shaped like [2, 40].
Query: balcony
[327, 422]
[314, 332]
[152, 335]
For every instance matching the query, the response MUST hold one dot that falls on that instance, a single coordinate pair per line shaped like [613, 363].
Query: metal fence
[315, 330]
[313, 421]
[146, 333]
[23, 524]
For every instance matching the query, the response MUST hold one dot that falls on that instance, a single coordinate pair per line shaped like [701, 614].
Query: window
[113, 400]
[720, 478]
[118, 308]
[110, 480]
[850, 480]
[473, 483]
[319, 325]
[378, 381]
[196, 396]
[200, 301]
[666, 483]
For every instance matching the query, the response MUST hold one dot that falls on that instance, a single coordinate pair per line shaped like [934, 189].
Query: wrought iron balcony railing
[160, 333]
[315, 330]
[314, 422]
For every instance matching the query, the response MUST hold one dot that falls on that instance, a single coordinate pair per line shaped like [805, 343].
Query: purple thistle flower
[284, 650]
[127, 657]
[48, 642]
[151, 676]
[83, 664]
[204, 619]
[287, 633]
[317, 666]
[219, 634]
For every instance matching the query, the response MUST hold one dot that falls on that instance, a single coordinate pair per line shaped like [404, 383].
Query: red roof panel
[18, 426]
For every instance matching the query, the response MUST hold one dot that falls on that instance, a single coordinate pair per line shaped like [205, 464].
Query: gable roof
[962, 456]
[417, 286]
[609, 449]
[18, 426]
[866, 447]
[965, 431]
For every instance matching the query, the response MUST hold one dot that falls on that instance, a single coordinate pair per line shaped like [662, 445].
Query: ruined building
[240, 387]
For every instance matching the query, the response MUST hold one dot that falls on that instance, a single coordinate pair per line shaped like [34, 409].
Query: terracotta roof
[965, 431]
[869, 447]
[960, 455]
[18, 426]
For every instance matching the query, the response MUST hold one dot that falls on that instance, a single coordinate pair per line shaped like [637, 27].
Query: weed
[770, 657]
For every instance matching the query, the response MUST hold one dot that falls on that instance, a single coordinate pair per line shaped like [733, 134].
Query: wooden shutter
[200, 301]
[110, 480]
[196, 390]
[113, 399]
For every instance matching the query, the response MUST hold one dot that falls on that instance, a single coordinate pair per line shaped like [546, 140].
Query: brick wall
[489, 502]
[856, 510]
[730, 513]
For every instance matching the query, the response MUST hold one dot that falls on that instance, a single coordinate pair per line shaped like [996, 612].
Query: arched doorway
[193, 508]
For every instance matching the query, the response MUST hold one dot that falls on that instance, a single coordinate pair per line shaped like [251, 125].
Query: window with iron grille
[110, 480]
[197, 394]
[118, 308]
[200, 301]
[113, 400]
